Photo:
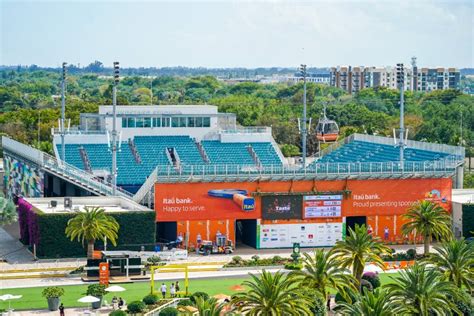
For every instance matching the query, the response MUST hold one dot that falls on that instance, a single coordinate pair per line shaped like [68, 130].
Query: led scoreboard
[320, 206]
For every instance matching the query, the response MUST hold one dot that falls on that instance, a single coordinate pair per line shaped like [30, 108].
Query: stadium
[205, 176]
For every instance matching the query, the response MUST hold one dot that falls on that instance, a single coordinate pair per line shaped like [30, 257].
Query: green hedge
[136, 228]
[467, 220]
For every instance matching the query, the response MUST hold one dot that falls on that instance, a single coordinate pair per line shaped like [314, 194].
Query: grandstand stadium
[191, 163]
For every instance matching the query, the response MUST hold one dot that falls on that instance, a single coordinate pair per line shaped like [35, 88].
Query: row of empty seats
[153, 152]
[360, 151]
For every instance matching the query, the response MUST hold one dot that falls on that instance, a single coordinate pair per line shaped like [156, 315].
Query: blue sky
[237, 33]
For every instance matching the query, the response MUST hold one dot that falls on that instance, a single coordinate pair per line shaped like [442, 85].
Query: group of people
[174, 289]
[117, 303]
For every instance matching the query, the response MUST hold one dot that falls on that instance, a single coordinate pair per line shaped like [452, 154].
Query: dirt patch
[237, 288]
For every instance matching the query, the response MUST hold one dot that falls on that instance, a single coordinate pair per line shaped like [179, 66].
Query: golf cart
[221, 246]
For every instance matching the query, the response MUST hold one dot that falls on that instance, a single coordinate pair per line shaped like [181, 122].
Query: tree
[455, 259]
[322, 273]
[420, 290]
[90, 225]
[358, 249]
[376, 303]
[429, 220]
[208, 307]
[272, 295]
[8, 213]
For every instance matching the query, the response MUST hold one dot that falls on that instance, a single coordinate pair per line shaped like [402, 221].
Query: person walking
[177, 288]
[61, 309]
[386, 233]
[172, 291]
[163, 290]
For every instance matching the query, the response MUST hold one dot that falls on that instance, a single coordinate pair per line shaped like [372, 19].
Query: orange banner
[104, 273]
[211, 201]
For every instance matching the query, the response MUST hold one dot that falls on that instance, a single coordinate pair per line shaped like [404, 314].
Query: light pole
[303, 127]
[401, 81]
[63, 110]
[114, 130]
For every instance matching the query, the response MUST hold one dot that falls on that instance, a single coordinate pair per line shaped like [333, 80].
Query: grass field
[32, 298]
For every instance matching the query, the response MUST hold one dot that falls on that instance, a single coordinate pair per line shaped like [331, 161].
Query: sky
[237, 33]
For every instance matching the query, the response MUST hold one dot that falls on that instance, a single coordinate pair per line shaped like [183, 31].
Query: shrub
[53, 292]
[96, 290]
[168, 311]
[351, 295]
[373, 278]
[150, 299]
[237, 259]
[136, 307]
[203, 295]
[277, 259]
[293, 266]
[319, 306]
[185, 303]
[118, 313]
[153, 260]
[255, 258]
[411, 254]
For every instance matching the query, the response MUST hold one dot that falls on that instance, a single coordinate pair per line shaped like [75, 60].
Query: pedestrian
[114, 303]
[61, 309]
[172, 290]
[120, 303]
[385, 233]
[163, 290]
[177, 288]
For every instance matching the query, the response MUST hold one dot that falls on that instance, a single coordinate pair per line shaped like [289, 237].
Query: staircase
[173, 157]
[134, 151]
[254, 155]
[85, 159]
[203, 153]
[62, 169]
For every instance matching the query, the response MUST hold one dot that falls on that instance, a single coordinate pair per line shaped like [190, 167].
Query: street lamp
[303, 123]
[63, 110]
[114, 130]
[401, 86]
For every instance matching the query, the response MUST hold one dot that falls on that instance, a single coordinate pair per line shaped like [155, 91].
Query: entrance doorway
[246, 232]
[352, 221]
[166, 231]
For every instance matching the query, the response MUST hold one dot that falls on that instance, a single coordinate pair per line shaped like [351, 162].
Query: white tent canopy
[88, 299]
[115, 288]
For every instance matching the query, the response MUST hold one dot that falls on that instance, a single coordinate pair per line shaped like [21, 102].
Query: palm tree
[90, 225]
[420, 290]
[270, 295]
[208, 307]
[322, 273]
[358, 249]
[376, 303]
[8, 213]
[429, 220]
[455, 259]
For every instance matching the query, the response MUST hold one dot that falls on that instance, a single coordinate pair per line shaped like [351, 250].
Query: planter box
[53, 303]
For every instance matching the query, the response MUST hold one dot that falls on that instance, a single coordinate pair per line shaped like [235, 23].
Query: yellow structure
[174, 268]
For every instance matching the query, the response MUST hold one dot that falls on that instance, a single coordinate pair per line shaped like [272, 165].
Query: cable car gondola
[327, 131]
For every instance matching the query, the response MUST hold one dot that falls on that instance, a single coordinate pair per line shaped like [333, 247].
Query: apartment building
[354, 78]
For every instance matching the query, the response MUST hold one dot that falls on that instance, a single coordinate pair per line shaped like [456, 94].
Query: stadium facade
[204, 175]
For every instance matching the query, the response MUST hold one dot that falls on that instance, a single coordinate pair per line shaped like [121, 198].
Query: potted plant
[53, 294]
[97, 290]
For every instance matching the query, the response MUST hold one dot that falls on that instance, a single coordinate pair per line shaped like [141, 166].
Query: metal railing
[62, 168]
[166, 173]
[173, 303]
[247, 130]
[77, 131]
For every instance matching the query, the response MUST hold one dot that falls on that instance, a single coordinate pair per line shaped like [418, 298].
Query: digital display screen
[282, 207]
[320, 206]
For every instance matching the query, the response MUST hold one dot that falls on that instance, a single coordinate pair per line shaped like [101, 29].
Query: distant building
[352, 79]
[322, 78]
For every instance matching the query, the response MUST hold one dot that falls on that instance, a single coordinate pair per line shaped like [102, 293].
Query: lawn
[32, 298]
